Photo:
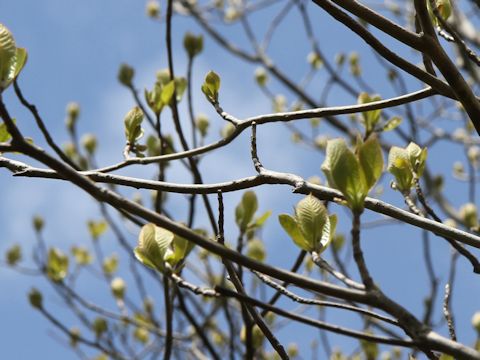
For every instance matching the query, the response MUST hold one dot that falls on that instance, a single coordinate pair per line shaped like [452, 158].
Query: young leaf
[343, 172]
[311, 216]
[370, 118]
[4, 134]
[211, 86]
[181, 248]
[153, 244]
[57, 265]
[371, 160]
[8, 52]
[261, 220]
[392, 124]
[97, 228]
[327, 234]
[133, 121]
[167, 92]
[245, 211]
[399, 167]
[417, 157]
[291, 227]
[110, 264]
[180, 87]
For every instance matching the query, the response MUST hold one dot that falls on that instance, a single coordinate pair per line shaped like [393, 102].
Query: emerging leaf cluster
[158, 247]
[405, 164]
[354, 174]
[311, 229]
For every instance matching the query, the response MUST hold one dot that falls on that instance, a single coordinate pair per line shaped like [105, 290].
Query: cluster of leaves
[311, 228]
[353, 173]
[161, 249]
[406, 165]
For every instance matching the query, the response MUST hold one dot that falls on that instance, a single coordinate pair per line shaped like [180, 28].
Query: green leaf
[311, 216]
[370, 118]
[392, 124]
[291, 227]
[8, 51]
[153, 99]
[256, 249]
[262, 219]
[133, 121]
[153, 245]
[97, 228]
[245, 211]
[417, 157]
[334, 150]
[21, 57]
[370, 349]
[57, 265]
[167, 92]
[328, 233]
[180, 87]
[82, 255]
[371, 160]
[343, 172]
[211, 86]
[4, 134]
[181, 249]
[399, 167]
[110, 264]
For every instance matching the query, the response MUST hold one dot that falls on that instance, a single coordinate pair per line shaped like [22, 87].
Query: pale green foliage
[405, 164]
[157, 247]
[81, 255]
[110, 264]
[444, 8]
[211, 86]
[245, 212]
[57, 265]
[370, 118]
[97, 228]
[133, 125]
[311, 229]
[256, 249]
[4, 134]
[370, 349]
[12, 59]
[353, 174]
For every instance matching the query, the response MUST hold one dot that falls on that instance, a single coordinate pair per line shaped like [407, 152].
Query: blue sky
[75, 49]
